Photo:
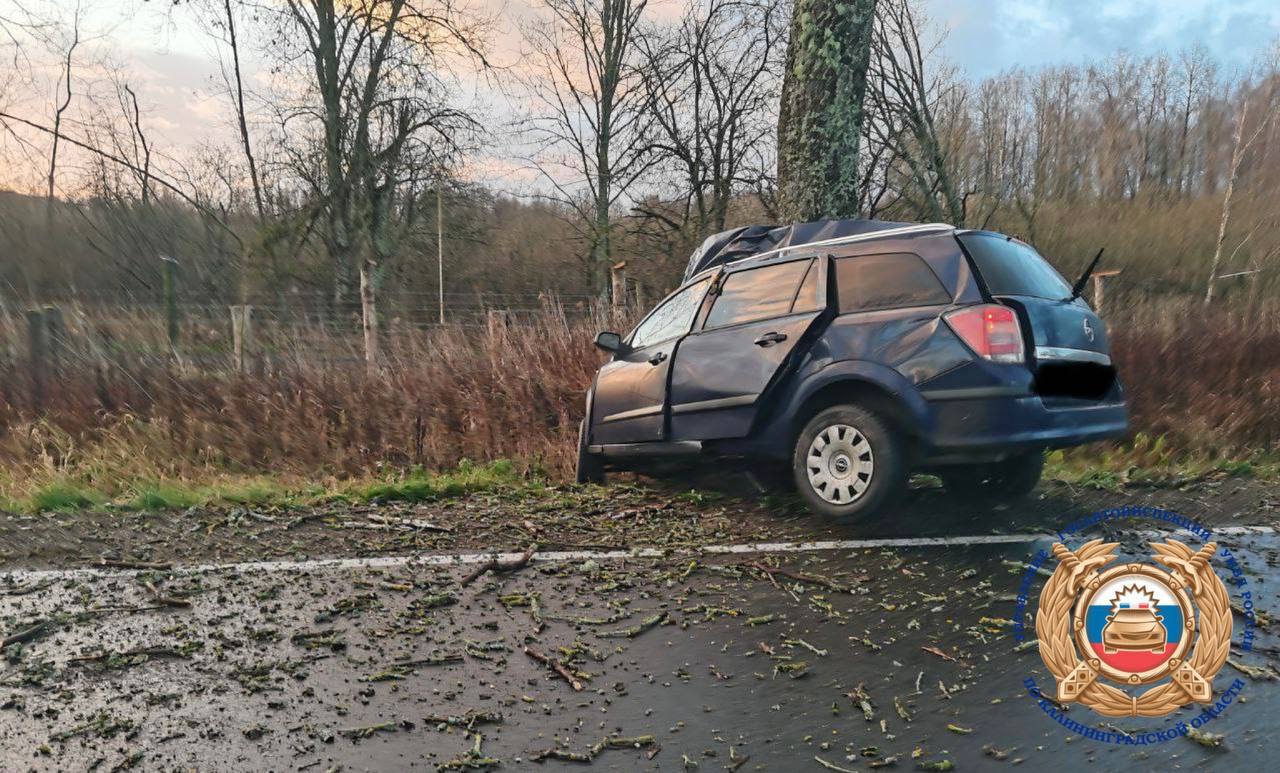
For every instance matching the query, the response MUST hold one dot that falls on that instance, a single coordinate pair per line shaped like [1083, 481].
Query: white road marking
[462, 559]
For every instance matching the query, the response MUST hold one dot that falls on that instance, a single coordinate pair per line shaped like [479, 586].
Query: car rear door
[1061, 328]
[756, 319]
[631, 389]
[1068, 341]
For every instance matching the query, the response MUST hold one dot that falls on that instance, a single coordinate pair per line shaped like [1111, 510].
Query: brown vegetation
[1208, 384]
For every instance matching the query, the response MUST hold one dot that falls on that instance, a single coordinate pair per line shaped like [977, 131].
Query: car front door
[631, 389]
[757, 318]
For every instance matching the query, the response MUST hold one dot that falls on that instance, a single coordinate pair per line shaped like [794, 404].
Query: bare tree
[374, 108]
[712, 82]
[1196, 74]
[64, 85]
[235, 86]
[591, 125]
[908, 97]
[1240, 146]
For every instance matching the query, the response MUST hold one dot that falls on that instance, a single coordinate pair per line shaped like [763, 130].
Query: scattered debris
[497, 566]
[1205, 738]
[596, 749]
[555, 665]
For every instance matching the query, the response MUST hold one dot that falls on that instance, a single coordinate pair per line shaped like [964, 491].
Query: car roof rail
[909, 230]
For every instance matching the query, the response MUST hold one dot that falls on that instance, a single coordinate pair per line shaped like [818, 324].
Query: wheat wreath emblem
[1078, 678]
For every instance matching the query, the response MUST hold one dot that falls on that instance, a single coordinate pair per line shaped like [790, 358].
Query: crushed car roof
[748, 241]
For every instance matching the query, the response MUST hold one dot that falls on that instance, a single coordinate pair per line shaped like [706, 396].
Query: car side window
[759, 293]
[807, 299]
[891, 281]
[672, 318]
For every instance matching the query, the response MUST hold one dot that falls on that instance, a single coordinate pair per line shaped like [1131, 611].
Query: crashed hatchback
[856, 353]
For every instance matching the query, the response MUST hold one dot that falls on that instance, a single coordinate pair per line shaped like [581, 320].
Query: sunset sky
[174, 69]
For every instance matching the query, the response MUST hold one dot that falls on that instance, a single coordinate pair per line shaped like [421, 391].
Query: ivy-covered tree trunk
[820, 119]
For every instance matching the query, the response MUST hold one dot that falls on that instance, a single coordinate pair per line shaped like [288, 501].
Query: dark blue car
[857, 360]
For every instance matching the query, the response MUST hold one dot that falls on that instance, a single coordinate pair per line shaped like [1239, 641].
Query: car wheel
[1009, 479]
[848, 463]
[590, 468]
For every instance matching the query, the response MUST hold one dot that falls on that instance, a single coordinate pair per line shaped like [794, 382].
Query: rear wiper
[1084, 278]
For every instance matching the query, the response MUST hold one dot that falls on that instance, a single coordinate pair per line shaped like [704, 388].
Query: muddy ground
[883, 657]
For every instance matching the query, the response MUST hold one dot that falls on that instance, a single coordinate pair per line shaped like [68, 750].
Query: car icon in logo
[1088, 330]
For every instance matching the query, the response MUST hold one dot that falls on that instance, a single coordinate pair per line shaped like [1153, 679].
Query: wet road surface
[876, 657]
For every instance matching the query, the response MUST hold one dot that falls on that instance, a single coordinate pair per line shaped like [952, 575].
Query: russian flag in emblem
[1133, 623]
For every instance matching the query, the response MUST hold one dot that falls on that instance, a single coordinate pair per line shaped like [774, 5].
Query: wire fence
[87, 332]
[96, 329]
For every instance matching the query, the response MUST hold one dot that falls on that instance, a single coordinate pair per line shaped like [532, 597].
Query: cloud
[988, 36]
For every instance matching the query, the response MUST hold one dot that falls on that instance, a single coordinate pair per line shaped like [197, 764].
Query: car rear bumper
[1025, 422]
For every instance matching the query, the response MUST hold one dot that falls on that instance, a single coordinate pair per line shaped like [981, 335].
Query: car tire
[590, 468]
[848, 463]
[1006, 480]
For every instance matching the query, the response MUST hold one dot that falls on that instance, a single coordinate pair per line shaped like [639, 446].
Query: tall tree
[591, 123]
[712, 86]
[821, 115]
[375, 128]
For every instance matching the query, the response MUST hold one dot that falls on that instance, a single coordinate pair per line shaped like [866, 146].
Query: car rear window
[889, 281]
[1012, 268]
[759, 293]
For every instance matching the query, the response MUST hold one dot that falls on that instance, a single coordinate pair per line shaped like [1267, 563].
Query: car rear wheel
[590, 468]
[848, 463]
[1006, 480]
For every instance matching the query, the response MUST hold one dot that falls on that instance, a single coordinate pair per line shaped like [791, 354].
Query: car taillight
[991, 331]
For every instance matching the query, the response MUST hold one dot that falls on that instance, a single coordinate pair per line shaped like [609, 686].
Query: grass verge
[1147, 461]
[63, 494]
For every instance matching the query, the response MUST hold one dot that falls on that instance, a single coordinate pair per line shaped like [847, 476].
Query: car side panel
[915, 342]
[774, 434]
[630, 396]
[720, 375]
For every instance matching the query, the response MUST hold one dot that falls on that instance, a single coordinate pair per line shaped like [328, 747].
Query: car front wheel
[848, 463]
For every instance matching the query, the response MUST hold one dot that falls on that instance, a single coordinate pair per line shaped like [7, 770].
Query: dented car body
[965, 346]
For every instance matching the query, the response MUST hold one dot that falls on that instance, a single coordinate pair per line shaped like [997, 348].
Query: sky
[174, 69]
[988, 36]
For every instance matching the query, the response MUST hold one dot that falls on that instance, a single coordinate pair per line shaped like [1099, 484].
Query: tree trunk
[369, 316]
[1237, 151]
[820, 118]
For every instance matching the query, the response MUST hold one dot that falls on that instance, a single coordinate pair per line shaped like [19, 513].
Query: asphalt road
[851, 656]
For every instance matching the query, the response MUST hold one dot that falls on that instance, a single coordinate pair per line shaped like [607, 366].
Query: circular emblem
[1134, 624]
[1135, 621]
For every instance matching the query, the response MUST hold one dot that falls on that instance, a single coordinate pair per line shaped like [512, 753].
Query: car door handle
[769, 339]
[658, 358]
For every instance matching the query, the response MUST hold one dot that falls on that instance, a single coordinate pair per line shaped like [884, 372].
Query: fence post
[54, 337]
[169, 276]
[38, 349]
[242, 336]
[497, 321]
[618, 288]
[1099, 295]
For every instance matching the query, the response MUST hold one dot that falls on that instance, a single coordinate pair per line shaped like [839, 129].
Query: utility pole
[440, 243]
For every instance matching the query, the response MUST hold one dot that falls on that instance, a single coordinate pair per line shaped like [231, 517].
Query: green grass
[415, 485]
[165, 496]
[1144, 461]
[62, 496]
[420, 486]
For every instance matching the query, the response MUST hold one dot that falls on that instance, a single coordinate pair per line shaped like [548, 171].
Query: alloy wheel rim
[840, 464]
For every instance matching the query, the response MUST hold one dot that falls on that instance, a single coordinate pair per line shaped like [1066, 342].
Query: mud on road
[216, 640]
